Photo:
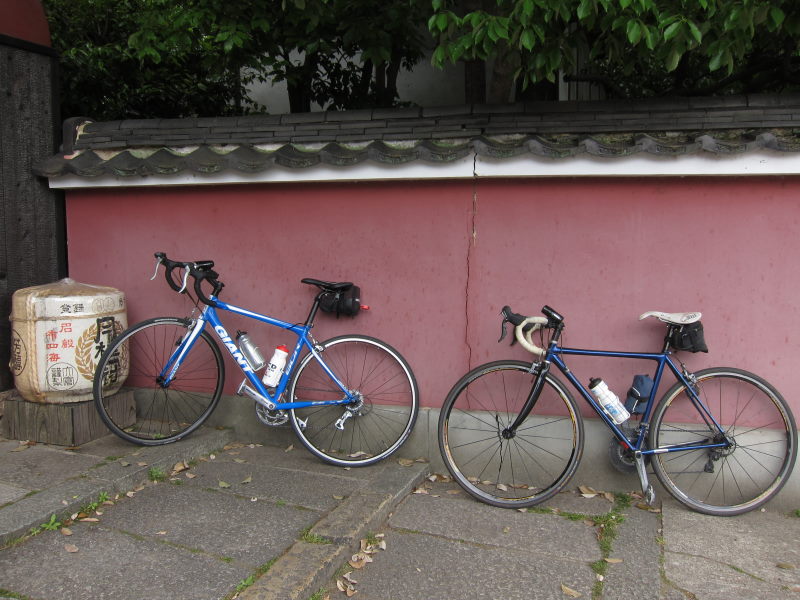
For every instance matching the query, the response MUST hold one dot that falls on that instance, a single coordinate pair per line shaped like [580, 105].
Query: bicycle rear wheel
[373, 428]
[499, 469]
[724, 481]
[158, 415]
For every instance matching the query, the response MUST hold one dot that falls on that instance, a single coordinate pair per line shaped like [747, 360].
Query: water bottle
[273, 373]
[250, 351]
[609, 401]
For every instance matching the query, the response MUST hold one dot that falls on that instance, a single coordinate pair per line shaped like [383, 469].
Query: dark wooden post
[32, 238]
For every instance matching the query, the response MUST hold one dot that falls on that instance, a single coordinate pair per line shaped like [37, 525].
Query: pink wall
[600, 251]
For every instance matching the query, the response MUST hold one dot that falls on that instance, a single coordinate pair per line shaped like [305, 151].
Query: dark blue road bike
[722, 441]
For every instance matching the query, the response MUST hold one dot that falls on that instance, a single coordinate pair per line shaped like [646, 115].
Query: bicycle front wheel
[377, 425]
[755, 420]
[158, 414]
[510, 470]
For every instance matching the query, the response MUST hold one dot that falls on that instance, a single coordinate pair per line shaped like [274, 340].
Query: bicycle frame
[210, 316]
[554, 355]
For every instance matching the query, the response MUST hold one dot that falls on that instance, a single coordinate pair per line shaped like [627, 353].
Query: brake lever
[159, 260]
[504, 332]
[185, 279]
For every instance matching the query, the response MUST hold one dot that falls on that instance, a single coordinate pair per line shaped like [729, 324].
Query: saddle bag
[689, 338]
[347, 303]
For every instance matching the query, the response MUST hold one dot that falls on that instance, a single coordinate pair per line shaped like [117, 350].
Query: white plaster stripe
[762, 162]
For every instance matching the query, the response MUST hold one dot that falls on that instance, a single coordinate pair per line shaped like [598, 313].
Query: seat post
[670, 330]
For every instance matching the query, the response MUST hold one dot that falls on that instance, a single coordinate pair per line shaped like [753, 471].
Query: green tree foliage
[162, 58]
[633, 47]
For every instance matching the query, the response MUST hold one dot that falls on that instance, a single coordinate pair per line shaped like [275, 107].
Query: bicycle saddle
[674, 318]
[328, 286]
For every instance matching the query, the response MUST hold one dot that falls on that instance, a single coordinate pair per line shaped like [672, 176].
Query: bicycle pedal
[650, 495]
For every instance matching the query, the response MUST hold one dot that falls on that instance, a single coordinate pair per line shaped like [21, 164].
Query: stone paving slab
[420, 566]
[10, 493]
[37, 467]
[718, 557]
[459, 517]
[278, 484]
[218, 524]
[110, 565]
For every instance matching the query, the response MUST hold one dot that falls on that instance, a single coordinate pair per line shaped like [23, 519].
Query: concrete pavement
[257, 522]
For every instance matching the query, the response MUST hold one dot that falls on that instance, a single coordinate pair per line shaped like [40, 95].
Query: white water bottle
[273, 373]
[609, 401]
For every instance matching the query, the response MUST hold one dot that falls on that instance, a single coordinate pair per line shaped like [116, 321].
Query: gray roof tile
[670, 127]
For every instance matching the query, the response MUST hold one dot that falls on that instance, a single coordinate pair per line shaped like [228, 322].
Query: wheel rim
[494, 465]
[160, 414]
[730, 479]
[377, 424]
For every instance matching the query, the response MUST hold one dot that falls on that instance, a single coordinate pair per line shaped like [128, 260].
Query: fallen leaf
[609, 496]
[786, 566]
[142, 464]
[212, 456]
[90, 520]
[130, 494]
[289, 448]
[20, 448]
[66, 531]
[420, 490]
[70, 548]
[161, 533]
[453, 492]
[124, 463]
[506, 529]
[338, 497]
[570, 592]
[234, 453]
[585, 489]
[613, 561]
[348, 578]
[502, 487]
[224, 484]
[190, 476]
[405, 462]
[180, 467]
[64, 502]
[357, 454]
[239, 460]
[248, 479]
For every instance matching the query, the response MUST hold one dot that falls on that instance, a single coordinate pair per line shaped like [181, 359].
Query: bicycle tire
[379, 425]
[530, 467]
[159, 415]
[730, 481]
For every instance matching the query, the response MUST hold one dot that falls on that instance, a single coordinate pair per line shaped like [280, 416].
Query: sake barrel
[58, 333]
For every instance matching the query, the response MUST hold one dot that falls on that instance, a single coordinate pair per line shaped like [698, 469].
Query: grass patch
[247, 582]
[156, 474]
[312, 538]
[10, 594]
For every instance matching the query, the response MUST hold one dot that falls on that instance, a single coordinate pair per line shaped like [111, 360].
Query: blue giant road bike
[351, 400]
[722, 441]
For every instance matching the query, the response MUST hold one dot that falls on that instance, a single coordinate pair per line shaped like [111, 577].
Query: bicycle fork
[541, 370]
